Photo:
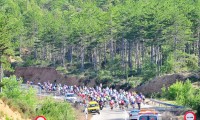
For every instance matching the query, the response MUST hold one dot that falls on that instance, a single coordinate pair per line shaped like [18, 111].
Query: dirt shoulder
[7, 113]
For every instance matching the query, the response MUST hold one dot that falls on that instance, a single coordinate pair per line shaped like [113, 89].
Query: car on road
[149, 114]
[93, 107]
[71, 97]
[149, 117]
[133, 115]
[144, 114]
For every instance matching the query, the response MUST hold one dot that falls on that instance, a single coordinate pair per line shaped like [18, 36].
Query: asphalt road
[115, 114]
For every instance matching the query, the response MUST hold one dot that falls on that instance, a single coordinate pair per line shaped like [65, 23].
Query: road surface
[115, 114]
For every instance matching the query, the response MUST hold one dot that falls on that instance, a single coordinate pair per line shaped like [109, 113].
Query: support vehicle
[93, 107]
[71, 97]
[144, 114]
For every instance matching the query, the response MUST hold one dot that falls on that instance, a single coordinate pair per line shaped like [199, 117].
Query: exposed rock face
[44, 74]
[156, 84]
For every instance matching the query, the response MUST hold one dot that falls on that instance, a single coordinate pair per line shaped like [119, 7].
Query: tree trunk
[159, 59]
[152, 53]
[126, 59]
[175, 56]
[130, 55]
[194, 48]
[122, 53]
[105, 53]
[111, 51]
[136, 56]
[99, 50]
[187, 48]
[1, 73]
[95, 59]
[114, 49]
[35, 53]
[20, 46]
[142, 54]
[199, 48]
[69, 55]
[82, 58]
[63, 54]
[53, 57]
[157, 52]
[139, 55]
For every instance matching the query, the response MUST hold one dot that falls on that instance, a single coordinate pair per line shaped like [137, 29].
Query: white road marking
[125, 114]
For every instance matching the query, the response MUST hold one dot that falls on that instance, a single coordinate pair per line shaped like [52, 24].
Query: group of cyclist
[112, 97]
[104, 96]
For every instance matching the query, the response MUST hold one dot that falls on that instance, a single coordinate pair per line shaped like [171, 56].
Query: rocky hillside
[44, 74]
[155, 85]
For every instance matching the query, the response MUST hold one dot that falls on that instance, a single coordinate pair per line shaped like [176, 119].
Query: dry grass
[1, 114]
[196, 85]
[80, 114]
[167, 115]
[8, 112]
[17, 106]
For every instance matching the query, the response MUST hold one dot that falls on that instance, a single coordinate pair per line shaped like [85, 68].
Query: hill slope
[157, 83]
[6, 112]
[45, 74]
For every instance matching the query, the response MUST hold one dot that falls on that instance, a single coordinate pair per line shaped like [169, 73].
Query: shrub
[175, 90]
[12, 90]
[194, 102]
[148, 71]
[178, 90]
[56, 110]
[104, 77]
[22, 100]
[185, 94]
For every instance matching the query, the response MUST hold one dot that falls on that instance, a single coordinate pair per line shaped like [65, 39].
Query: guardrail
[167, 104]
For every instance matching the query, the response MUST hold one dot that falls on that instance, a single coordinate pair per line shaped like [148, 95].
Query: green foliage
[12, 90]
[29, 61]
[178, 91]
[56, 110]
[149, 71]
[187, 62]
[183, 93]
[187, 92]
[7, 118]
[62, 69]
[11, 87]
[104, 77]
[191, 62]
[195, 102]
[71, 33]
[135, 81]
[23, 100]
[168, 65]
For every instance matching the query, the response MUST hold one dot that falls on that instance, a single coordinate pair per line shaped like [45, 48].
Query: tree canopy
[139, 38]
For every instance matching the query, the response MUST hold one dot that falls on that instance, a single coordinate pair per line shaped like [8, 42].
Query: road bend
[115, 114]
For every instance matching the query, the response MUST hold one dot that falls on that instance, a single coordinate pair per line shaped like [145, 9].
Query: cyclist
[111, 104]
